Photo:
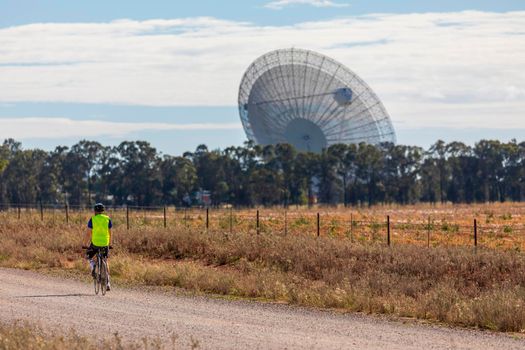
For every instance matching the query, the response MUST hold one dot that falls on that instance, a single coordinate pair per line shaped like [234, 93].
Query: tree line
[135, 173]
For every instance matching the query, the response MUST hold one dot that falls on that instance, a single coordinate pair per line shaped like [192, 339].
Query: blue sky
[17, 12]
[168, 71]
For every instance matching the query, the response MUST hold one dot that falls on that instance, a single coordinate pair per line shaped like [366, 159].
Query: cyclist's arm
[110, 226]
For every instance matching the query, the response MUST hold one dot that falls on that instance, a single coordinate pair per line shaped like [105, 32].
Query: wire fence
[392, 228]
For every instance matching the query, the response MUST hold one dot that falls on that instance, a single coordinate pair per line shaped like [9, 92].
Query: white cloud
[50, 128]
[280, 4]
[465, 69]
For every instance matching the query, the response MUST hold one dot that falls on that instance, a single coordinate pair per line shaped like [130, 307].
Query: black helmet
[99, 208]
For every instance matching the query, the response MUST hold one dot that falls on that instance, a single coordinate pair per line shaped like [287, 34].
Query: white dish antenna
[308, 100]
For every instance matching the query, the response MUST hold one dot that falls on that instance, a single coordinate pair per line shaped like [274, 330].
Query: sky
[168, 72]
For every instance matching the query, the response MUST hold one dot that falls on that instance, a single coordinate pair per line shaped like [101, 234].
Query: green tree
[21, 176]
[141, 179]
[179, 180]
[89, 156]
[439, 152]
[370, 162]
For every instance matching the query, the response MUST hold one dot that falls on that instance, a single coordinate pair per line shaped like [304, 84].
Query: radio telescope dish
[309, 100]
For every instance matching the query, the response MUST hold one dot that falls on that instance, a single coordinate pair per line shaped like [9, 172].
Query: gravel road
[218, 324]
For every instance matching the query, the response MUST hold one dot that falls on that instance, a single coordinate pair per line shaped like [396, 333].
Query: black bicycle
[100, 272]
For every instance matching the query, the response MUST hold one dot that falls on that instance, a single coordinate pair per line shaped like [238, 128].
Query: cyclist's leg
[90, 253]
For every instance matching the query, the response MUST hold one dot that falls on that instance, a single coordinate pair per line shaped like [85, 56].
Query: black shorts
[93, 249]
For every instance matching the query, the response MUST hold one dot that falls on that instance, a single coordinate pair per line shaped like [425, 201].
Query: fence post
[231, 220]
[41, 211]
[207, 219]
[285, 222]
[127, 217]
[428, 233]
[388, 229]
[475, 233]
[351, 227]
[165, 217]
[19, 212]
[318, 224]
[257, 223]
[67, 213]
[186, 217]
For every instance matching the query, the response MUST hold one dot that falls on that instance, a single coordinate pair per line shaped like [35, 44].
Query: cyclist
[99, 235]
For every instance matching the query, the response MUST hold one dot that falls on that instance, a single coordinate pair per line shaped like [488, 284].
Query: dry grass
[452, 284]
[500, 225]
[26, 336]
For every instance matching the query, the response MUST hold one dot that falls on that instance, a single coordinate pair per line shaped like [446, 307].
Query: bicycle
[100, 275]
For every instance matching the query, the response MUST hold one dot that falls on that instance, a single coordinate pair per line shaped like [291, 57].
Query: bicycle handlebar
[86, 247]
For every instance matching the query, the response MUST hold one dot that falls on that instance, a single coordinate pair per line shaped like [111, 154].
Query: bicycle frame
[101, 277]
[101, 272]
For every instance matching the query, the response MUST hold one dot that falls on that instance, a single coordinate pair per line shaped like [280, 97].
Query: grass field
[349, 267]
[23, 335]
[499, 225]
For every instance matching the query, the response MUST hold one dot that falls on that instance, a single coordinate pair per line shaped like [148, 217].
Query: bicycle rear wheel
[103, 276]
[96, 280]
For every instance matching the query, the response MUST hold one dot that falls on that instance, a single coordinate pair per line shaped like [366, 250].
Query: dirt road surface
[218, 324]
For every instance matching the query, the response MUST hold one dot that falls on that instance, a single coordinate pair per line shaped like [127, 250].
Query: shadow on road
[54, 295]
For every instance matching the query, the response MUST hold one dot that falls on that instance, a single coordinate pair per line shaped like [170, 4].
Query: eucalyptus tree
[134, 172]
[512, 171]
[211, 173]
[439, 152]
[462, 165]
[400, 174]
[141, 178]
[370, 162]
[91, 154]
[6, 153]
[429, 180]
[490, 172]
[233, 174]
[332, 181]
[21, 176]
[285, 158]
[179, 180]
[51, 177]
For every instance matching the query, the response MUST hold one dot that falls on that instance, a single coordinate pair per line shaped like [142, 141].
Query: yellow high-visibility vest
[100, 233]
